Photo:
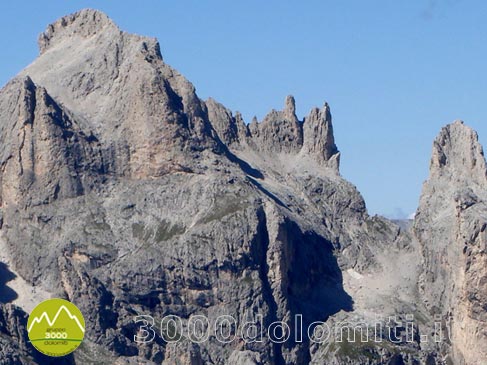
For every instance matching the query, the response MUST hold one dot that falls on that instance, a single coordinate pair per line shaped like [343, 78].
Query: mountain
[450, 226]
[124, 192]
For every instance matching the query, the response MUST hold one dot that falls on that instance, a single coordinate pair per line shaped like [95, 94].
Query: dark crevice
[312, 286]
[261, 252]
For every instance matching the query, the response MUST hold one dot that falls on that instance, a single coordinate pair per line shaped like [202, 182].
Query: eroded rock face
[13, 337]
[319, 142]
[281, 133]
[118, 87]
[450, 225]
[125, 193]
[84, 24]
[47, 156]
[230, 129]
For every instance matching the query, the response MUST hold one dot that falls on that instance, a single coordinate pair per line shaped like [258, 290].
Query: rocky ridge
[125, 193]
[452, 215]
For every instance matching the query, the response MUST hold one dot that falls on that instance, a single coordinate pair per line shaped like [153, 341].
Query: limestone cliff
[125, 193]
[450, 224]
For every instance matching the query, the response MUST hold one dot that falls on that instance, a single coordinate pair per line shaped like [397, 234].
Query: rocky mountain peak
[120, 189]
[458, 174]
[280, 131]
[449, 225]
[117, 87]
[290, 107]
[311, 139]
[458, 155]
[319, 140]
[83, 23]
[228, 127]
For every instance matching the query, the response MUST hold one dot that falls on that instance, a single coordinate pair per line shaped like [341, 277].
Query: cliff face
[46, 156]
[125, 193]
[146, 115]
[450, 225]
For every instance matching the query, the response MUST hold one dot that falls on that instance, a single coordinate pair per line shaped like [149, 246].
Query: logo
[56, 327]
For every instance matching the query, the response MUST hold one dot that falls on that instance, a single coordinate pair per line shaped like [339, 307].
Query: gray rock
[450, 225]
[244, 358]
[319, 141]
[280, 131]
[125, 193]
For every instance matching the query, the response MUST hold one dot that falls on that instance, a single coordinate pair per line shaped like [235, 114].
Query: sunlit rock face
[125, 193]
[450, 225]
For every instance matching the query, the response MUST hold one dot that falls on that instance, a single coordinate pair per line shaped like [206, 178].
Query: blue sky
[394, 72]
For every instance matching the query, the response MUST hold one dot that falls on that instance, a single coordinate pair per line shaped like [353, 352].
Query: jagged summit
[290, 107]
[123, 191]
[118, 88]
[83, 23]
[458, 173]
[458, 155]
[312, 138]
[319, 140]
[279, 131]
[450, 225]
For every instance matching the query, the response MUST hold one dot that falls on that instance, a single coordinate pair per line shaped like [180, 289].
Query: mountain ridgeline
[125, 193]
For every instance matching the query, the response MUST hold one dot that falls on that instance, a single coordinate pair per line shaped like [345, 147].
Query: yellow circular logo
[56, 327]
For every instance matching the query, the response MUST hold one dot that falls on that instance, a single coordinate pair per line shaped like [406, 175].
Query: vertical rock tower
[451, 226]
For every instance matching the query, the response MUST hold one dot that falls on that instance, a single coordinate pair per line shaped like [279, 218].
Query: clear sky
[393, 72]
